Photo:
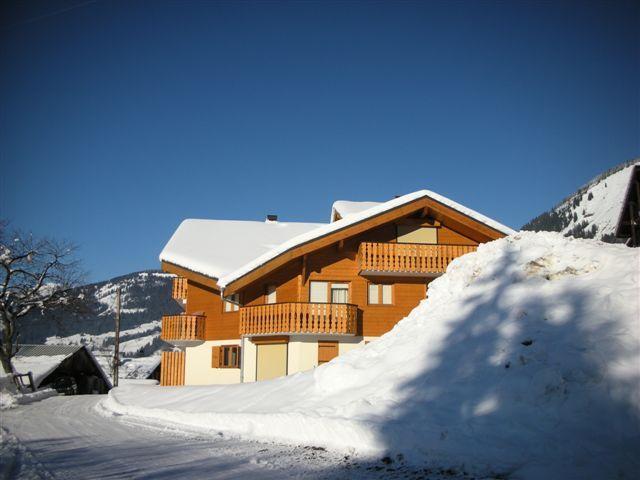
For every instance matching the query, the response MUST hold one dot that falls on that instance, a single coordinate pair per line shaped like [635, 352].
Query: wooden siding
[172, 368]
[219, 325]
[299, 318]
[340, 264]
[182, 327]
[408, 258]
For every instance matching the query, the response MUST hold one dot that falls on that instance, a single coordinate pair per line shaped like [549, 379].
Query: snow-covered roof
[41, 360]
[352, 219]
[217, 247]
[344, 208]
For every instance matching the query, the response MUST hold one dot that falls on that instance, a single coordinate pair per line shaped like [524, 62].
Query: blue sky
[120, 119]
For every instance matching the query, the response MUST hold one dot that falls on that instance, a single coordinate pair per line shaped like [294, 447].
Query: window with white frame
[232, 304]
[339, 293]
[328, 292]
[380, 294]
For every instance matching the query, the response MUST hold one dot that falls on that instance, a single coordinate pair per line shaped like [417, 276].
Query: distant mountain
[592, 211]
[146, 297]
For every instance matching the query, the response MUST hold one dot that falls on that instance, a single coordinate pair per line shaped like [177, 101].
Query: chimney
[271, 218]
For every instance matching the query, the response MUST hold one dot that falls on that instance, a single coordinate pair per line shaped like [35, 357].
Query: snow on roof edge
[357, 218]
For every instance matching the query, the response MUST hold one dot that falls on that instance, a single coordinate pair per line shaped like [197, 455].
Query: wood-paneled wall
[339, 264]
[172, 368]
[219, 325]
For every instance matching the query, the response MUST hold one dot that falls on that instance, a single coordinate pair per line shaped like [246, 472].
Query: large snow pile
[524, 361]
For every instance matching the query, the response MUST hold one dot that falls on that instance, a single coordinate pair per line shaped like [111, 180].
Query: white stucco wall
[249, 361]
[302, 352]
[198, 369]
[302, 355]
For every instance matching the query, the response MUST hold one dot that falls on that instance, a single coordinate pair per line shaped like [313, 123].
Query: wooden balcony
[410, 259]
[289, 318]
[179, 290]
[183, 330]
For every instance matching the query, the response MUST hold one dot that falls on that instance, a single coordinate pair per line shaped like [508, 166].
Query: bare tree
[35, 274]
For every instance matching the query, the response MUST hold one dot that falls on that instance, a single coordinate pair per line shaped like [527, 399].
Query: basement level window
[225, 356]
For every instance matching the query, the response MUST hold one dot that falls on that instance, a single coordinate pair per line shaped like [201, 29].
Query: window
[318, 292]
[417, 234]
[339, 293]
[325, 292]
[380, 294]
[270, 294]
[225, 356]
[232, 305]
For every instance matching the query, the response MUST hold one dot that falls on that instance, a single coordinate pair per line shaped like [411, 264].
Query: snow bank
[524, 360]
[10, 397]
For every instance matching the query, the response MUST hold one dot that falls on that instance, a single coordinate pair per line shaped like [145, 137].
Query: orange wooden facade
[172, 368]
[370, 254]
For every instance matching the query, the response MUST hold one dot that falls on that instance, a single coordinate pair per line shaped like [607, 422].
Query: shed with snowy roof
[70, 369]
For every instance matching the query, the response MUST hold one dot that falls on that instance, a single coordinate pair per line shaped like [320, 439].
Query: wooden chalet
[267, 299]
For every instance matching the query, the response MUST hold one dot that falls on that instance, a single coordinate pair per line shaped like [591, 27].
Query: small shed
[69, 369]
[154, 373]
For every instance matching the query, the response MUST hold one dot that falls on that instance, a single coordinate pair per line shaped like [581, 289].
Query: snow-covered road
[65, 438]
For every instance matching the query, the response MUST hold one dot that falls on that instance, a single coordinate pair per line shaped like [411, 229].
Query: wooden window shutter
[216, 357]
[327, 351]
[238, 357]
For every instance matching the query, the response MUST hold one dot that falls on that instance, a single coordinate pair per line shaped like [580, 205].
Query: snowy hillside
[146, 296]
[522, 363]
[591, 212]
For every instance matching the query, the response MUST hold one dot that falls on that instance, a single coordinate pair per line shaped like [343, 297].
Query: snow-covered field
[523, 362]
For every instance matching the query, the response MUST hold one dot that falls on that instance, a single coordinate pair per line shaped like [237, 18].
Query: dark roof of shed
[47, 350]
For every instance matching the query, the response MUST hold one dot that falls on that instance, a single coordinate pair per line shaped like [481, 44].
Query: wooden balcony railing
[337, 318]
[179, 290]
[409, 258]
[182, 328]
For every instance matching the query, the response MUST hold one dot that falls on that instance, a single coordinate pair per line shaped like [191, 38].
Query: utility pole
[116, 352]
